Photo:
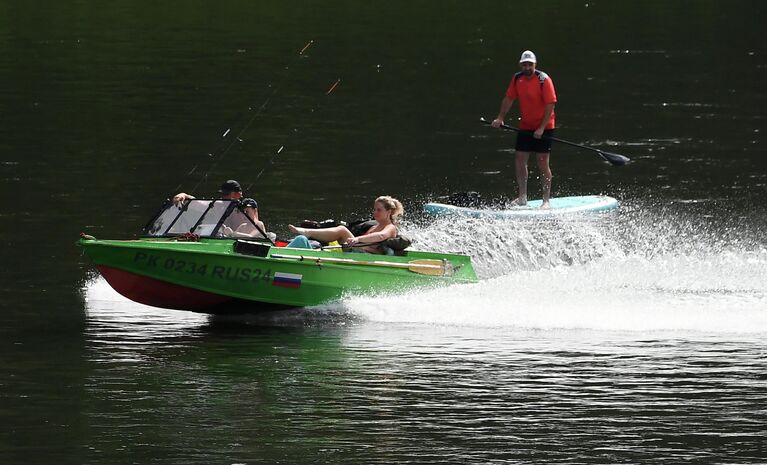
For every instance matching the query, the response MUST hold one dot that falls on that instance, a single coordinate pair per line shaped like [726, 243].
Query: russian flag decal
[287, 280]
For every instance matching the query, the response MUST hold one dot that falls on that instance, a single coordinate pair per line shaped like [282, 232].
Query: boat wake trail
[639, 270]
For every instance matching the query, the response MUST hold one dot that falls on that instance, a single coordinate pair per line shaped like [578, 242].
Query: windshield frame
[203, 217]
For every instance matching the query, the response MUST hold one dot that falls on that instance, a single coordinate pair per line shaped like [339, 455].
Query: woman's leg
[299, 242]
[338, 233]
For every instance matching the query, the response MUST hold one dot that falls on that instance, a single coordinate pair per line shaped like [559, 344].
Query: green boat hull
[224, 275]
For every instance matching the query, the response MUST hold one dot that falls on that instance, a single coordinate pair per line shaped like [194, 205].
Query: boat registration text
[213, 271]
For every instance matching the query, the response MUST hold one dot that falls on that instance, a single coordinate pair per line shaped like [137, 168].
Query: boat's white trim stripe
[291, 276]
[287, 279]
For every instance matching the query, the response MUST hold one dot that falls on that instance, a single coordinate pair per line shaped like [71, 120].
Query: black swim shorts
[527, 143]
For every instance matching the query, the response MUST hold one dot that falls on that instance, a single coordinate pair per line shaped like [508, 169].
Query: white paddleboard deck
[559, 206]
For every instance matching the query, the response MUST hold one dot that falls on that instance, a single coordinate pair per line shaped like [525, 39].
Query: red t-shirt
[533, 93]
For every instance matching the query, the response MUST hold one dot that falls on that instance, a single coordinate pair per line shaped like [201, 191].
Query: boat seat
[255, 249]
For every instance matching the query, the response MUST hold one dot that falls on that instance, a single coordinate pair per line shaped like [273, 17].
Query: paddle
[358, 245]
[615, 159]
[426, 266]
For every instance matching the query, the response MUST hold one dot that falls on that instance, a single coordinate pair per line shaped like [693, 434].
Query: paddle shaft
[615, 159]
[355, 246]
[425, 266]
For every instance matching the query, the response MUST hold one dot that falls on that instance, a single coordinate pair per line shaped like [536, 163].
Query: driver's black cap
[248, 203]
[230, 186]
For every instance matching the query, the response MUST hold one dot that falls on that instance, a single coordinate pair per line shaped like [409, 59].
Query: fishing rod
[227, 143]
[279, 150]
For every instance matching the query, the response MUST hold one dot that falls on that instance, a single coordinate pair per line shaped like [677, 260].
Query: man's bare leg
[520, 167]
[543, 166]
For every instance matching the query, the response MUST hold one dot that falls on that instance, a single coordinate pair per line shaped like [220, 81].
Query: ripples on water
[384, 393]
[615, 338]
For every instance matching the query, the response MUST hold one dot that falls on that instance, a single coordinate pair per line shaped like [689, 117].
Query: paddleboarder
[535, 91]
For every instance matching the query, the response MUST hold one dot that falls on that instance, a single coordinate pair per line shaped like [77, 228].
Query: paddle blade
[615, 159]
[429, 267]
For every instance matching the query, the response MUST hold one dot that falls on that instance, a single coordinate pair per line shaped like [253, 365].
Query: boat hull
[559, 206]
[212, 276]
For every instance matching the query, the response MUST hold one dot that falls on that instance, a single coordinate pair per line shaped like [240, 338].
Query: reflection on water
[125, 326]
[282, 389]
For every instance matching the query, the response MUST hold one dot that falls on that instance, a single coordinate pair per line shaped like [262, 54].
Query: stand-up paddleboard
[559, 206]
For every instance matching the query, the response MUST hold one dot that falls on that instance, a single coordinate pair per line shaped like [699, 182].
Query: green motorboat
[207, 256]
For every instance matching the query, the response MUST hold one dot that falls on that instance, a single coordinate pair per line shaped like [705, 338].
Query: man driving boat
[235, 225]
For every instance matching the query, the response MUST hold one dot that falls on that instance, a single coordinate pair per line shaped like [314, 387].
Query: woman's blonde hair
[393, 206]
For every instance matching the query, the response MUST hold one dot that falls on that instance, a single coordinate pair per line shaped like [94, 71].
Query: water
[625, 351]
[630, 337]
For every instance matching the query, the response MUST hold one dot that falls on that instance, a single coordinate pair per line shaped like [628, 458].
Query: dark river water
[631, 337]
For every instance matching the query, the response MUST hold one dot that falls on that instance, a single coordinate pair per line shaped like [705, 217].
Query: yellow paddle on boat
[425, 266]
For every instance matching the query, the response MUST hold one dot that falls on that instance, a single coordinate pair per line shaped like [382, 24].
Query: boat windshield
[204, 217]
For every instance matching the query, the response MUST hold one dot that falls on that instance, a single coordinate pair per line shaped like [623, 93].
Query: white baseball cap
[527, 55]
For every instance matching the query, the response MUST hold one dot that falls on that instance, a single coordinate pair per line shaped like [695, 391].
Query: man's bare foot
[296, 230]
[518, 202]
[546, 205]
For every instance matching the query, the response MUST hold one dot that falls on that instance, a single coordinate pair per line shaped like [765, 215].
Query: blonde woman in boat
[387, 212]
